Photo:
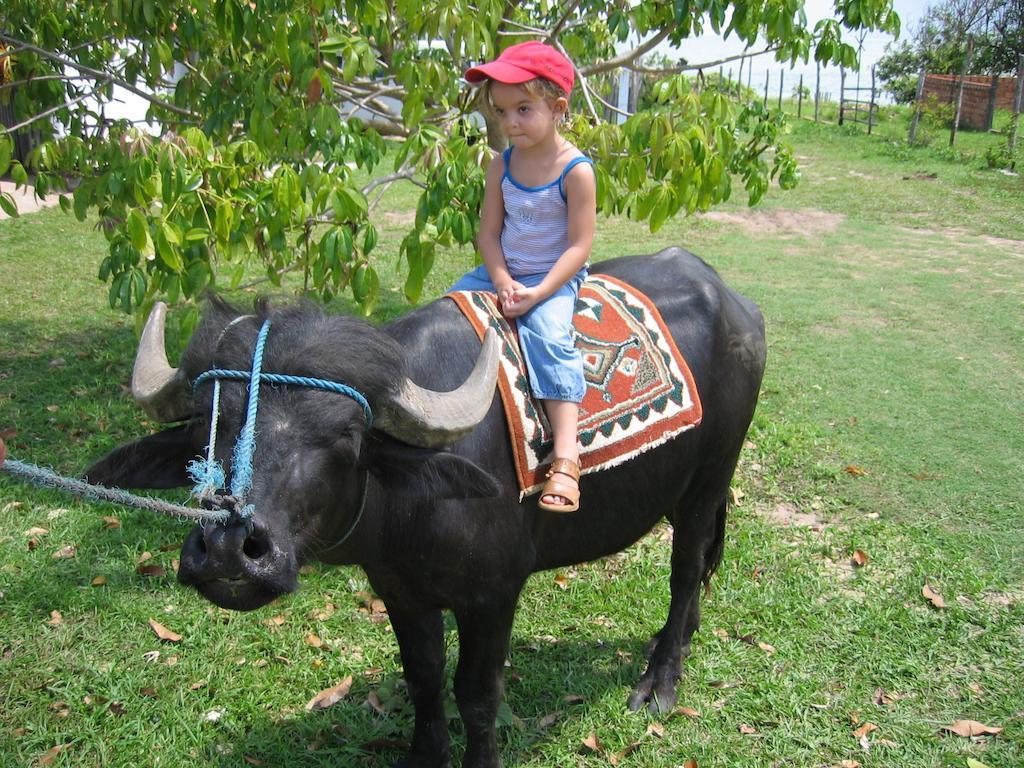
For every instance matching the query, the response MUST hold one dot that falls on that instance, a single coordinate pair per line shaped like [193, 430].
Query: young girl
[536, 230]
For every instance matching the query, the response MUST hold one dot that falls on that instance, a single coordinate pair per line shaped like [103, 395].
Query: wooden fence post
[800, 98]
[990, 111]
[739, 77]
[842, 92]
[817, 89]
[782, 79]
[1011, 140]
[767, 74]
[960, 90]
[871, 102]
[917, 107]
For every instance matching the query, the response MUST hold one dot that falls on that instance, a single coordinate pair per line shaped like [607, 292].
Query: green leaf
[171, 232]
[6, 152]
[7, 203]
[18, 174]
[138, 230]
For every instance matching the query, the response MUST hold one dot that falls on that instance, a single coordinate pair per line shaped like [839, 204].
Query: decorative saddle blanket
[640, 392]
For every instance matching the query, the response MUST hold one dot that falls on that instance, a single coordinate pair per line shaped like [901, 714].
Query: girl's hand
[506, 293]
[521, 301]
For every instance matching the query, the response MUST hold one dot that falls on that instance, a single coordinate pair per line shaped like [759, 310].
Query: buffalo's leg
[696, 529]
[484, 631]
[421, 643]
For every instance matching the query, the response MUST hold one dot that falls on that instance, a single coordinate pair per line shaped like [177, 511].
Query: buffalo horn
[432, 419]
[161, 390]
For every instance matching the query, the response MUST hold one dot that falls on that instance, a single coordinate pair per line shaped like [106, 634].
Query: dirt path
[26, 199]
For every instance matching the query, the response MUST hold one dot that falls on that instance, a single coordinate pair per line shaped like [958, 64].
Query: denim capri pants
[546, 335]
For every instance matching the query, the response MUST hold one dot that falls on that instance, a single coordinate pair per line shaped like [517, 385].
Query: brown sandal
[556, 487]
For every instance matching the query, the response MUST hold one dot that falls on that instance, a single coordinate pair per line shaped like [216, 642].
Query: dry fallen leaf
[593, 744]
[163, 632]
[574, 698]
[151, 570]
[968, 728]
[884, 698]
[747, 729]
[110, 522]
[687, 711]
[99, 581]
[723, 684]
[766, 648]
[374, 700]
[618, 757]
[252, 760]
[561, 581]
[548, 720]
[64, 553]
[934, 597]
[849, 764]
[860, 557]
[313, 641]
[50, 755]
[853, 469]
[656, 729]
[143, 558]
[691, 763]
[56, 619]
[330, 696]
[36, 532]
[865, 729]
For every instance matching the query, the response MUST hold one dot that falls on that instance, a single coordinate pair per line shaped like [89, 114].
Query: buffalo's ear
[425, 473]
[157, 461]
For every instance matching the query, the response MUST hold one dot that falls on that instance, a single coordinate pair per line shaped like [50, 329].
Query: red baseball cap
[526, 61]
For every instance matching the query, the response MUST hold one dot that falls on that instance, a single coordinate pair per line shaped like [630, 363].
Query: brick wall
[974, 112]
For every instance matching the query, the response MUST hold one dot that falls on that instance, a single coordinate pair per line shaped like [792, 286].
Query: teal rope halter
[209, 475]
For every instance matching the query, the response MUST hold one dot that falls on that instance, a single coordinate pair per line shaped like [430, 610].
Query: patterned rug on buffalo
[640, 392]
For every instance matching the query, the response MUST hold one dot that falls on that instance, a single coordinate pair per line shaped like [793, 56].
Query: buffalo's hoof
[658, 697]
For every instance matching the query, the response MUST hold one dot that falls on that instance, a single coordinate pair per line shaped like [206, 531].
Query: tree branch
[556, 30]
[48, 112]
[98, 75]
[626, 58]
[702, 65]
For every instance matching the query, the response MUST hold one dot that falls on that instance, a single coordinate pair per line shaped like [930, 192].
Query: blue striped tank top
[535, 233]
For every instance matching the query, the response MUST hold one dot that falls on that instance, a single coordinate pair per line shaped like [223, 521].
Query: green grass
[892, 282]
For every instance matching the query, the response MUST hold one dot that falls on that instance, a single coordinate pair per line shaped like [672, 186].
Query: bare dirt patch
[805, 222]
[787, 514]
[25, 198]
[1015, 247]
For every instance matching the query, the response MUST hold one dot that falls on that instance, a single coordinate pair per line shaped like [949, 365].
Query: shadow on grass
[540, 702]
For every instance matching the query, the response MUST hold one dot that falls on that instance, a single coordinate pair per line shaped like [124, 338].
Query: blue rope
[208, 475]
[241, 462]
[47, 478]
[298, 381]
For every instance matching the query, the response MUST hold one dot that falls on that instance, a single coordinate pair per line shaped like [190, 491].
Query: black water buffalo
[443, 528]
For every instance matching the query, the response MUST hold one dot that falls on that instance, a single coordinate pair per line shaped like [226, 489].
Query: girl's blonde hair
[538, 88]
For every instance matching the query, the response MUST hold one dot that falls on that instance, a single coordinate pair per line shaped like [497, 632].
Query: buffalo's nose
[224, 550]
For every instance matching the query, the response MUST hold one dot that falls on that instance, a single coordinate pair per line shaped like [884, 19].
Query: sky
[710, 47]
